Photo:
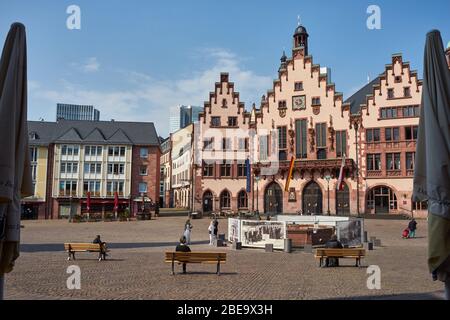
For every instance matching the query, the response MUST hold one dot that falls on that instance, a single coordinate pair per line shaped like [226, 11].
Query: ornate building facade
[303, 118]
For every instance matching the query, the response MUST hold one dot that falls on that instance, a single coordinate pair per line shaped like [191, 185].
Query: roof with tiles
[84, 132]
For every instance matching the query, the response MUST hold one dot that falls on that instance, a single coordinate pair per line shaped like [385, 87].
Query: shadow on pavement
[193, 273]
[406, 296]
[56, 247]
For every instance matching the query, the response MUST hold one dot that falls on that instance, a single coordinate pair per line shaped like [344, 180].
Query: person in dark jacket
[412, 226]
[183, 247]
[333, 243]
[216, 228]
[102, 255]
[157, 209]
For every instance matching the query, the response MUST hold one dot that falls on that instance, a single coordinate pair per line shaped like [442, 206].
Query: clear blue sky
[134, 60]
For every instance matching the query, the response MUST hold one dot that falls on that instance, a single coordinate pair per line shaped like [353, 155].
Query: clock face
[299, 103]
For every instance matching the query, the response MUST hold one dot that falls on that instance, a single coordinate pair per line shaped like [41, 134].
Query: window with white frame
[144, 153]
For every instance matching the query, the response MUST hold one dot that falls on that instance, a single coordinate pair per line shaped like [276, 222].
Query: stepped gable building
[373, 133]
[302, 116]
[74, 158]
[389, 110]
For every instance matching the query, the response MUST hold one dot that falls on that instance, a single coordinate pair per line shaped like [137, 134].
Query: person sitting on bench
[183, 247]
[333, 243]
[102, 255]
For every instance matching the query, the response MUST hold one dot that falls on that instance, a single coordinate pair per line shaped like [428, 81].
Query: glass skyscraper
[76, 112]
[182, 116]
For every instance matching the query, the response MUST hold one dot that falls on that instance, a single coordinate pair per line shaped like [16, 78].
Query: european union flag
[249, 181]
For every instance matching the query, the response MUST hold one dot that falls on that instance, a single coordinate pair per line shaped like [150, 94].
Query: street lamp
[328, 178]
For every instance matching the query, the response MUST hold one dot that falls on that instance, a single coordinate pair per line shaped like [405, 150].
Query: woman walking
[187, 231]
[211, 233]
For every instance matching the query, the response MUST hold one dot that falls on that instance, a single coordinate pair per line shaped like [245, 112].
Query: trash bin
[288, 245]
[219, 243]
[365, 237]
[237, 245]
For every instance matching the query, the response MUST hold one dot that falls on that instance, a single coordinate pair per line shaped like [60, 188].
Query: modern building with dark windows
[105, 160]
[182, 116]
[76, 112]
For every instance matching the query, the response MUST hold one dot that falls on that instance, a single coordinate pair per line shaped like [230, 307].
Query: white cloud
[90, 65]
[148, 99]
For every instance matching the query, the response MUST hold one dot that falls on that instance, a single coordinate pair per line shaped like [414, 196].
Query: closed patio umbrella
[432, 170]
[15, 172]
[116, 204]
[88, 204]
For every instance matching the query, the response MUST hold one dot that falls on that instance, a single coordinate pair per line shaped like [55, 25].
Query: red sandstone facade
[151, 177]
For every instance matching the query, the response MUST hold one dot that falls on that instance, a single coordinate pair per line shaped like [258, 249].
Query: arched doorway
[312, 199]
[382, 200]
[343, 201]
[207, 202]
[273, 199]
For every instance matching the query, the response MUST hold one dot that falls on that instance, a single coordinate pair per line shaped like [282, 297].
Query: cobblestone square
[136, 268]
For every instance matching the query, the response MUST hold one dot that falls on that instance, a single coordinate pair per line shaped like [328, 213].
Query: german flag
[289, 177]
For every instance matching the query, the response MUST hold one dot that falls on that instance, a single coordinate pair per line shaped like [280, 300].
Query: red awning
[104, 201]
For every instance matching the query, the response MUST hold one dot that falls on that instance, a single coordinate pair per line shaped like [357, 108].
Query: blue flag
[249, 176]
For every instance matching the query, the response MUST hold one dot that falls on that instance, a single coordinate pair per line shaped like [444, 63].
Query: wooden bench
[357, 254]
[71, 248]
[196, 257]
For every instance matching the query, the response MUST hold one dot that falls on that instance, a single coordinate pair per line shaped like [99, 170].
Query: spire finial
[298, 20]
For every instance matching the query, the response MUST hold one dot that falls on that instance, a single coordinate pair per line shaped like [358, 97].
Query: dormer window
[224, 103]
[33, 136]
[215, 121]
[390, 93]
[298, 86]
[407, 92]
[282, 105]
[316, 101]
[398, 79]
[232, 121]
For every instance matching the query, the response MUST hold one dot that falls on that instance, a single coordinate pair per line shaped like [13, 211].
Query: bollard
[365, 238]
[288, 245]
[269, 247]
[237, 246]
[219, 243]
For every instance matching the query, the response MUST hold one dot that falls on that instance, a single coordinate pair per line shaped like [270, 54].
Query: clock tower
[301, 38]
